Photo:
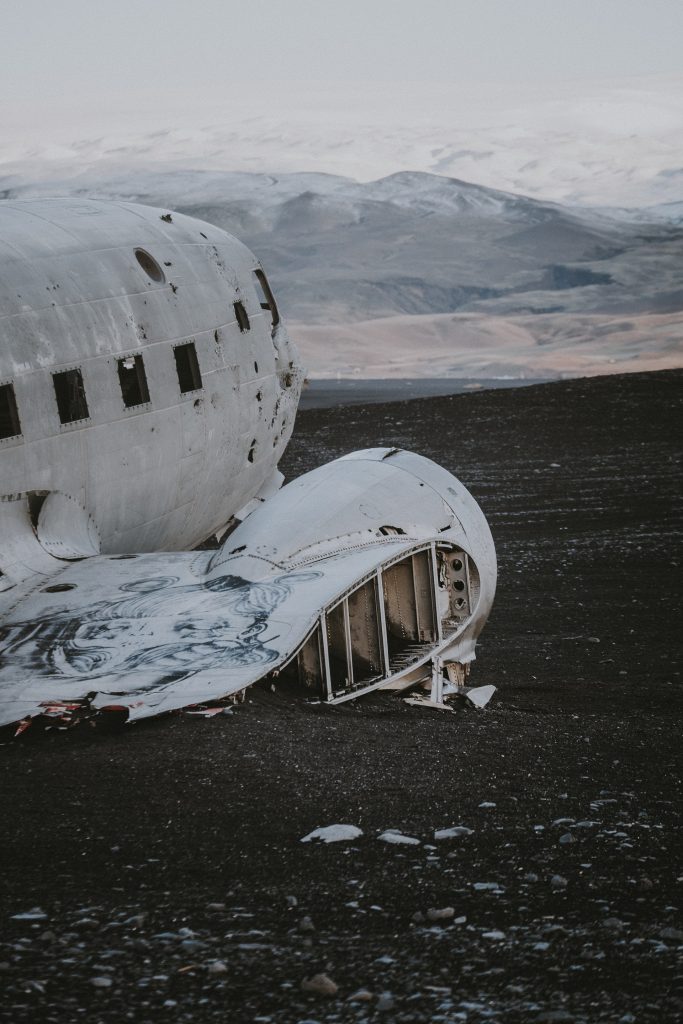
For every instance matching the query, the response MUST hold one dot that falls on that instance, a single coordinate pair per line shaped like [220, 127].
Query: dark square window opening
[9, 414]
[241, 316]
[187, 365]
[133, 381]
[70, 395]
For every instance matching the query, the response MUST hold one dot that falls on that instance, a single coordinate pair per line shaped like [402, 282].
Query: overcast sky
[56, 53]
[577, 100]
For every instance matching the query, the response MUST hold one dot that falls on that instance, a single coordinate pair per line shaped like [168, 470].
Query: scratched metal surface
[165, 474]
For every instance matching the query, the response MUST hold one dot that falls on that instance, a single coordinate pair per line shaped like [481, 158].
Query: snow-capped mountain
[418, 273]
[603, 142]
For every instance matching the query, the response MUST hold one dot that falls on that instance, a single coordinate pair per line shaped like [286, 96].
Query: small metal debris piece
[425, 702]
[333, 834]
[210, 712]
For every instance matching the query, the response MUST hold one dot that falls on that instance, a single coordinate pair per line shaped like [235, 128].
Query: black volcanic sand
[158, 851]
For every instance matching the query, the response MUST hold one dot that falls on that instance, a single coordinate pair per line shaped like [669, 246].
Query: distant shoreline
[327, 394]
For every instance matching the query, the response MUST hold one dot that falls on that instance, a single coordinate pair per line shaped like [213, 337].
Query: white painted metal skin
[375, 570]
[164, 474]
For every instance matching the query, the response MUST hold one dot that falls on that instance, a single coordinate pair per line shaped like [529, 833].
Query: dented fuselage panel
[145, 376]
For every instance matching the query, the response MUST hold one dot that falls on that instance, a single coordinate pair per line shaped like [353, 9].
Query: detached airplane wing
[376, 570]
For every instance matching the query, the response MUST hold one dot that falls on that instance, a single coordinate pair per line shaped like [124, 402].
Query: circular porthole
[57, 588]
[150, 266]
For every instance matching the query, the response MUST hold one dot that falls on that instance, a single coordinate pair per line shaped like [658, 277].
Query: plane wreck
[147, 391]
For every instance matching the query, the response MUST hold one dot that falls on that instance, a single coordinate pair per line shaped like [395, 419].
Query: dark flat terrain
[160, 850]
[327, 394]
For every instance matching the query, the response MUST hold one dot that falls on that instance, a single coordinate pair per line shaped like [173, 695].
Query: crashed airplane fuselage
[147, 391]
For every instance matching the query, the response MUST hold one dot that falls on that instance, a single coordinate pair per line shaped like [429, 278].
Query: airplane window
[150, 266]
[9, 414]
[242, 317]
[133, 381]
[187, 365]
[266, 297]
[70, 394]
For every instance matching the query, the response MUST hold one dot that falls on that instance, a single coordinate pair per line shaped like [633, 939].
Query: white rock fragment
[453, 833]
[334, 834]
[485, 886]
[34, 914]
[495, 935]
[101, 982]
[487, 804]
[394, 836]
[480, 695]
[217, 968]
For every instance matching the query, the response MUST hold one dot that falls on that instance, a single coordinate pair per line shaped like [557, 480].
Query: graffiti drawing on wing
[159, 625]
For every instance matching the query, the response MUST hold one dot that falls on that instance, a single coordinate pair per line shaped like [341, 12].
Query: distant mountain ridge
[420, 252]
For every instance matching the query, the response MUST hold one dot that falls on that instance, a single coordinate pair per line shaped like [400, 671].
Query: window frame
[60, 400]
[193, 367]
[12, 411]
[141, 379]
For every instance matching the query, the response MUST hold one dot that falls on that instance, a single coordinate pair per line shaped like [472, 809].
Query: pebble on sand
[320, 985]
[394, 836]
[440, 913]
[218, 967]
[452, 833]
[361, 996]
